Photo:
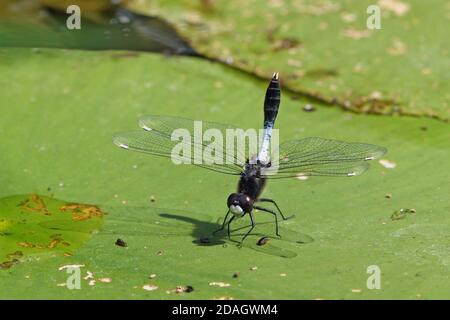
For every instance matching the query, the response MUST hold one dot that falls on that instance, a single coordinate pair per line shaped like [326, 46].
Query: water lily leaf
[33, 225]
[60, 109]
[325, 50]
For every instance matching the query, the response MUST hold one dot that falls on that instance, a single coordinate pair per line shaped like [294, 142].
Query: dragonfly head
[239, 204]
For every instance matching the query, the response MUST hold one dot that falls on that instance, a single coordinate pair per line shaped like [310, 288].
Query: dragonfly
[301, 158]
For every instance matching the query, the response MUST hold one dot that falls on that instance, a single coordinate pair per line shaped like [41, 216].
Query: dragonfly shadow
[202, 233]
[202, 230]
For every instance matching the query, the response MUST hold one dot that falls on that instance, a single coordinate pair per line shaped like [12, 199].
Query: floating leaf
[59, 112]
[324, 49]
[32, 225]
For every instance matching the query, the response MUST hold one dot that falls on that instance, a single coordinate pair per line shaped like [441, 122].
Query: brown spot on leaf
[357, 34]
[279, 44]
[52, 244]
[348, 17]
[81, 212]
[25, 244]
[13, 259]
[15, 255]
[397, 48]
[284, 44]
[8, 264]
[373, 105]
[34, 203]
[397, 7]
[321, 73]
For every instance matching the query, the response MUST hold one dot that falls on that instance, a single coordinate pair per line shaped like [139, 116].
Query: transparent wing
[183, 140]
[324, 157]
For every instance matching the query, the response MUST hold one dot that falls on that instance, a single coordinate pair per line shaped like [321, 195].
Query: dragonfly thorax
[254, 168]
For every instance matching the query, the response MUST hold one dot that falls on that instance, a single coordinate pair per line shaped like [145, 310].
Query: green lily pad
[104, 26]
[325, 50]
[60, 110]
[35, 225]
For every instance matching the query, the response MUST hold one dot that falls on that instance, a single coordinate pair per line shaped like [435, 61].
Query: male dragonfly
[296, 158]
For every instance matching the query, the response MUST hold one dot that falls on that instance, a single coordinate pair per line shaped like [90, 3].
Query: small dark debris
[121, 243]
[388, 196]
[284, 44]
[243, 61]
[402, 213]
[309, 108]
[236, 275]
[179, 289]
[204, 240]
[188, 289]
[263, 241]
[322, 73]
[159, 253]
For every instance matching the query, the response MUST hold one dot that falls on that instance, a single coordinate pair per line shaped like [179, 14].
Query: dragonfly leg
[223, 224]
[228, 229]
[253, 225]
[272, 201]
[273, 213]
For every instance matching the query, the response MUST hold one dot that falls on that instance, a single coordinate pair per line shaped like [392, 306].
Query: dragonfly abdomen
[271, 106]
